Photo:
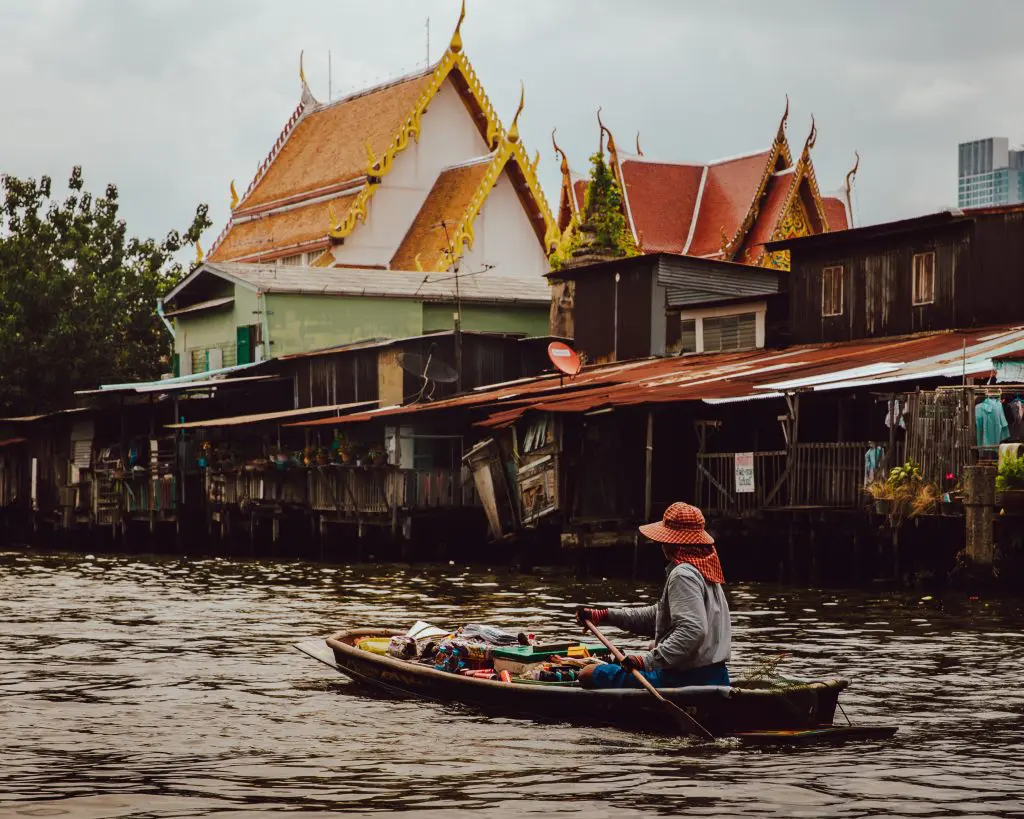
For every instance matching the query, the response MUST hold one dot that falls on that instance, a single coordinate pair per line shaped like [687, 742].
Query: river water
[167, 687]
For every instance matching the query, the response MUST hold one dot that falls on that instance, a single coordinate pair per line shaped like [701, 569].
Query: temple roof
[662, 198]
[725, 209]
[294, 230]
[428, 239]
[730, 188]
[314, 157]
[316, 184]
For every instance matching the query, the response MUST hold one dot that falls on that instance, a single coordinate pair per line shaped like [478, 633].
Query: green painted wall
[299, 323]
[531, 320]
[216, 327]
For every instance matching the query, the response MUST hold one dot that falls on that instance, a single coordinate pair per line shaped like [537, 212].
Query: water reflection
[135, 687]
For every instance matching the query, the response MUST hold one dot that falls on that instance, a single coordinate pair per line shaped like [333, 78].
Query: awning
[239, 420]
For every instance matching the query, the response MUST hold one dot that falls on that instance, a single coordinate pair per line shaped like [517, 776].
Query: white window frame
[830, 271]
[916, 270]
[758, 308]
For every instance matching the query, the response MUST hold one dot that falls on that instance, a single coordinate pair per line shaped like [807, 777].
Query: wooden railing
[823, 474]
[810, 474]
[716, 483]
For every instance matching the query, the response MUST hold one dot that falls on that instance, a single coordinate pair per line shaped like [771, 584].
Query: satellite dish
[565, 358]
[429, 368]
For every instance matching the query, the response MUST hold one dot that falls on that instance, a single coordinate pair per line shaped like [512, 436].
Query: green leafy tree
[603, 230]
[78, 294]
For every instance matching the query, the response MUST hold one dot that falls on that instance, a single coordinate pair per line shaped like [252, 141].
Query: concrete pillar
[979, 506]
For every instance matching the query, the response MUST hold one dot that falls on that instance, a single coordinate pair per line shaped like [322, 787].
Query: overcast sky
[172, 100]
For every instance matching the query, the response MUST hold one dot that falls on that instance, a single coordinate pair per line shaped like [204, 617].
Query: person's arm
[689, 625]
[637, 619]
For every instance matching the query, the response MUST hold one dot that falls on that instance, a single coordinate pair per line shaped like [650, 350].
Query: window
[297, 260]
[688, 336]
[832, 290]
[737, 332]
[924, 278]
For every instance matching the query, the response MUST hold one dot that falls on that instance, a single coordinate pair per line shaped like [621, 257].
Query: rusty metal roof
[239, 420]
[733, 376]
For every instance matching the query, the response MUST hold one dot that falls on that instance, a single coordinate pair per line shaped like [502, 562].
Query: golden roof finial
[234, 195]
[561, 153]
[199, 252]
[302, 69]
[781, 135]
[852, 173]
[332, 217]
[638, 151]
[604, 130]
[419, 264]
[513, 129]
[455, 45]
[812, 137]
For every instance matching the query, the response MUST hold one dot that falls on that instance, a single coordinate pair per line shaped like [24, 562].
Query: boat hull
[725, 711]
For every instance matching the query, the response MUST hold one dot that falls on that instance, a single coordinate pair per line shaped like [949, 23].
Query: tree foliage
[602, 230]
[78, 294]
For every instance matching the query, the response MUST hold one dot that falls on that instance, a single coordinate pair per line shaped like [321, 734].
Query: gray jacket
[690, 622]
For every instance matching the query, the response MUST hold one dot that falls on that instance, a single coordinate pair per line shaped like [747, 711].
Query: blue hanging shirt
[990, 421]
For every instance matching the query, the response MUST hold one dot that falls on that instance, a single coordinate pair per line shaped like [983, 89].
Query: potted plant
[1010, 482]
[320, 456]
[377, 455]
[344, 449]
[952, 498]
[881, 494]
[205, 450]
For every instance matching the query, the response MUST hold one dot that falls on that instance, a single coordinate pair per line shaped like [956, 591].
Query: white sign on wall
[744, 471]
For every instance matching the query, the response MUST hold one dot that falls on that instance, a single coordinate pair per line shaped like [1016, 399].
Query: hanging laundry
[991, 426]
[874, 463]
[1015, 418]
[899, 411]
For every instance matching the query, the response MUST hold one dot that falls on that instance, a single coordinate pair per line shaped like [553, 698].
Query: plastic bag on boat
[402, 648]
[492, 635]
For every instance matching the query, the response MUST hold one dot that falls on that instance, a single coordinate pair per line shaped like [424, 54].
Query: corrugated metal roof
[239, 420]
[487, 286]
[722, 377]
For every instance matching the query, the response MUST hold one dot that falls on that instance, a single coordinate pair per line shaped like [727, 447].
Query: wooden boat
[797, 712]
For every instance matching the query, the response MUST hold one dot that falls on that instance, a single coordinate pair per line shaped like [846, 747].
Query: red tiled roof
[662, 198]
[835, 213]
[728, 193]
[447, 201]
[771, 213]
[579, 188]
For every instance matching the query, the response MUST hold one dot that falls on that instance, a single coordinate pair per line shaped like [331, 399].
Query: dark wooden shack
[645, 305]
[947, 270]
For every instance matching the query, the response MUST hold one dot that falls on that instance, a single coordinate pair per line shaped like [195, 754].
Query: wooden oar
[686, 723]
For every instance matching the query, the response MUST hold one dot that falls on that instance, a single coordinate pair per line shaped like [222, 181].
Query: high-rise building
[990, 173]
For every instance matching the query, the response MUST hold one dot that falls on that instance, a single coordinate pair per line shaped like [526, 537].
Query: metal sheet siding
[689, 283]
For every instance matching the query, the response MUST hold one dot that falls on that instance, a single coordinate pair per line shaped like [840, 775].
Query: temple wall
[504, 237]
[448, 136]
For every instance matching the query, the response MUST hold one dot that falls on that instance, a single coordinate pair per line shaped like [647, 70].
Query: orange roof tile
[447, 201]
[836, 213]
[268, 235]
[728, 193]
[662, 198]
[328, 145]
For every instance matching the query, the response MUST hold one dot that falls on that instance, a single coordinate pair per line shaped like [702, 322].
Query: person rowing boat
[690, 622]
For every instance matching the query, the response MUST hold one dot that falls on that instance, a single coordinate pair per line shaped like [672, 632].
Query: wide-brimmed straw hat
[681, 524]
